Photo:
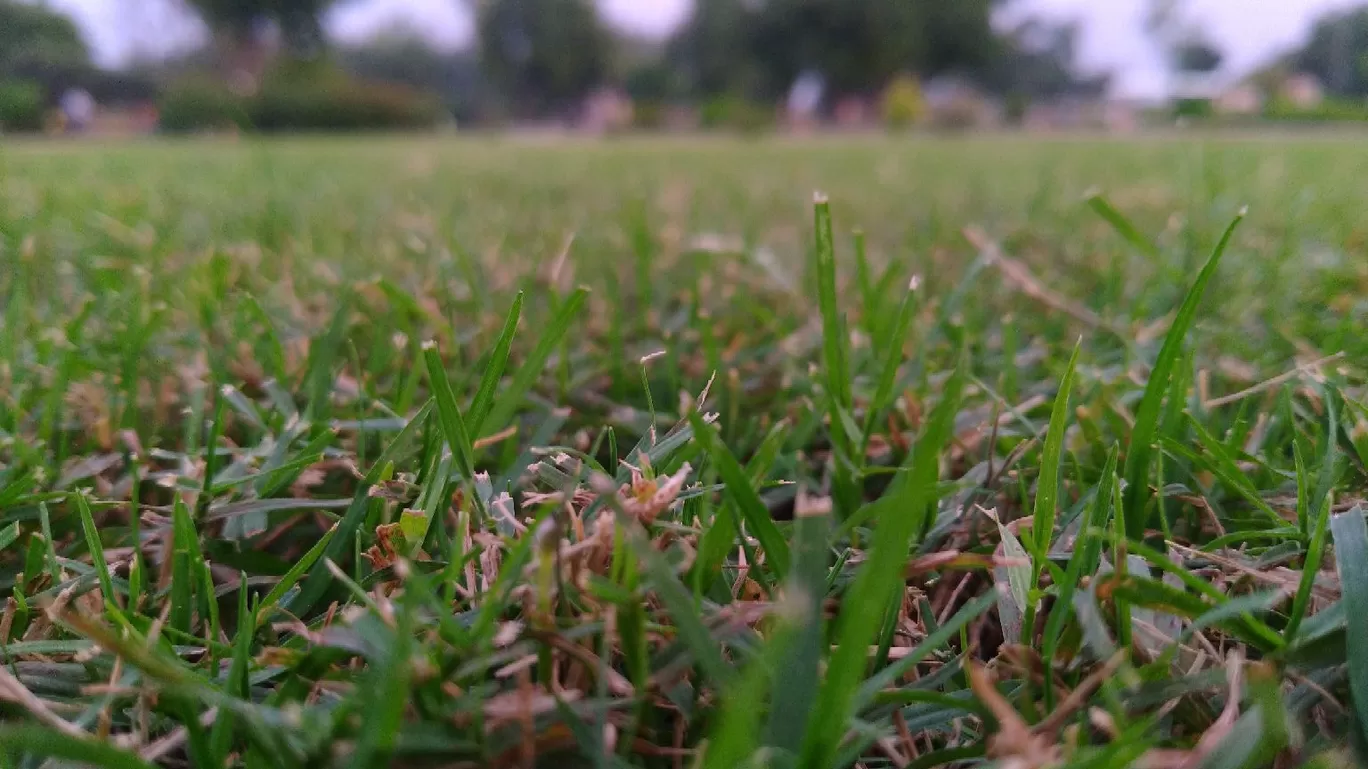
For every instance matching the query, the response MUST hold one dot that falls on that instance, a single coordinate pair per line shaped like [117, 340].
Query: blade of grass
[1320, 512]
[1351, 562]
[877, 584]
[96, 548]
[834, 341]
[744, 496]
[494, 368]
[1083, 560]
[1047, 487]
[1140, 452]
[42, 741]
[316, 583]
[1123, 227]
[737, 736]
[888, 372]
[387, 697]
[937, 640]
[512, 395]
[221, 734]
[449, 414]
[799, 652]
[9, 535]
[296, 572]
[680, 604]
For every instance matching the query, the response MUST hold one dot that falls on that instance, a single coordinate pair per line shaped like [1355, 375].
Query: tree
[1040, 60]
[242, 24]
[34, 35]
[1187, 48]
[401, 55]
[43, 48]
[760, 49]
[1337, 53]
[544, 55]
[711, 50]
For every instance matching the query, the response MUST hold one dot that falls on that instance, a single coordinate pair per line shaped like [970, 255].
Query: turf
[496, 452]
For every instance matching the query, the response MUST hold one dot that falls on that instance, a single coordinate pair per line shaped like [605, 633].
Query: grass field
[478, 452]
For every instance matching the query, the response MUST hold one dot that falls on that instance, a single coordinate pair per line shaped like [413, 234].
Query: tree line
[542, 57]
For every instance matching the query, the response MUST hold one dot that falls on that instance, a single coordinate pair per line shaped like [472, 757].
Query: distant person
[78, 110]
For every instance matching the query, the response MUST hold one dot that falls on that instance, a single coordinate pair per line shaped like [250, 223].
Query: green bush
[201, 106]
[1330, 111]
[649, 115]
[902, 104]
[737, 114]
[300, 100]
[340, 104]
[960, 115]
[1196, 108]
[21, 107]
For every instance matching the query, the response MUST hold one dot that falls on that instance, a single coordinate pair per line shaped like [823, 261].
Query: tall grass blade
[878, 582]
[1140, 453]
[494, 368]
[1351, 562]
[1047, 487]
[511, 397]
[744, 496]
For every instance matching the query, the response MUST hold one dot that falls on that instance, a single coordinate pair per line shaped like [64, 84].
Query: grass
[482, 452]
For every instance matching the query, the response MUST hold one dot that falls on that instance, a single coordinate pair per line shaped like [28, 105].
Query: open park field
[392, 452]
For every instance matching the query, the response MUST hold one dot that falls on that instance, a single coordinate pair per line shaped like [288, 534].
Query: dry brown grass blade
[1013, 743]
[13, 690]
[1022, 279]
[1078, 698]
[1269, 384]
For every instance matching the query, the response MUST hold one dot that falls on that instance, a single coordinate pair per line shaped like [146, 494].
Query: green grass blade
[494, 369]
[221, 734]
[937, 640]
[387, 697]
[680, 604]
[1140, 453]
[182, 595]
[510, 399]
[834, 363]
[888, 372]
[737, 736]
[296, 573]
[1351, 562]
[1047, 488]
[803, 634]
[833, 343]
[744, 495]
[449, 414]
[42, 741]
[96, 549]
[1081, 561]
[1123, 227]
[878, 582]
[319, 368]
[9, 535]
[342, 542]
[1320, 512]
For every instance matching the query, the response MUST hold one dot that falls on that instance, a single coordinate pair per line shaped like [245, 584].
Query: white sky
[1248, 30]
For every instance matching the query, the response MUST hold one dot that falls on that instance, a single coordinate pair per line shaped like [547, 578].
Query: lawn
[495, 452]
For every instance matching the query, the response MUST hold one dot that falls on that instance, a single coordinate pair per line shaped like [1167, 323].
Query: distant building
[607, 110]
[953, 102]
[1303, 91]
[853, 113]
[802, 108]
[78, 110]
[1243, 99]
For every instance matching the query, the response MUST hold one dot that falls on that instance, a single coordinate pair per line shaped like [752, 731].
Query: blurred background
[106, 67]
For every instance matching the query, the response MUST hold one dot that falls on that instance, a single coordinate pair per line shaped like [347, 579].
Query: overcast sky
[1249, 30]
